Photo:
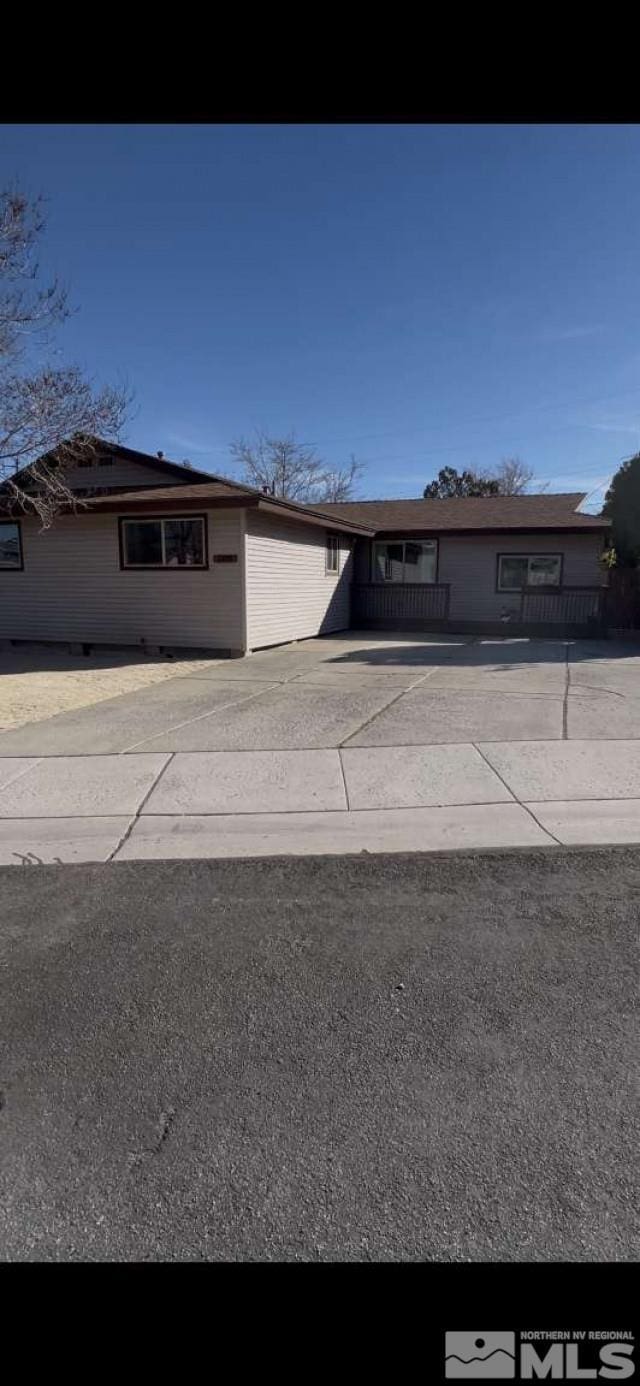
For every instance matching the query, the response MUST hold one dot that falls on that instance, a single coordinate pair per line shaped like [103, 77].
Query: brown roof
[466, 514]
[220, 494]
[190, 491]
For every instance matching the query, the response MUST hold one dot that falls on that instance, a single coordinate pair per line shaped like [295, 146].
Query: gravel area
[38, 681]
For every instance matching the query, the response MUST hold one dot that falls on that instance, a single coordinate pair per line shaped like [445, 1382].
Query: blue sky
[420, 296]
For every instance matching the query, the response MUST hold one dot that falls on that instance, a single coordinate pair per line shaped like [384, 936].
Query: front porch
[571, 611]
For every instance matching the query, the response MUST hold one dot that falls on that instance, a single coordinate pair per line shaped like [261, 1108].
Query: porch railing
[567, 606]
[415, 603]
[407, 601]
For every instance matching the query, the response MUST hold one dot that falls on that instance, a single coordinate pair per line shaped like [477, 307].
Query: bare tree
[340, 485]
[50, 416]
[292, 471]
[513, 476]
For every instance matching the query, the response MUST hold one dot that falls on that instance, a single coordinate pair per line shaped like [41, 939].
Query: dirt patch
[39, 681]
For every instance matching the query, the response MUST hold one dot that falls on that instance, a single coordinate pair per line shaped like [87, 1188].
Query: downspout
[243, 583]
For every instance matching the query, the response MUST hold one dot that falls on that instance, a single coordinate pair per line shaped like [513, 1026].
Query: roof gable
[96, 477]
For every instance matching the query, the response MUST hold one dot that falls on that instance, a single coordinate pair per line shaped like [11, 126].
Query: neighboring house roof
[469, 514]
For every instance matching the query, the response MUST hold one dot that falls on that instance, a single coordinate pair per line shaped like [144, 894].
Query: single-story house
[479, 564]
[156, 554]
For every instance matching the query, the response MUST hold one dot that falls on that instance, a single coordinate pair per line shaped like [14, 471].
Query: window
[10, 545]
[518, 570]
[405, 560]
[332, 554]
[160, 543]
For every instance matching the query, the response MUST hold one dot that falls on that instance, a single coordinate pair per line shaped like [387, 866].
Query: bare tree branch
[340, 485]
[50, 416]
[513, 476]
[290, 470]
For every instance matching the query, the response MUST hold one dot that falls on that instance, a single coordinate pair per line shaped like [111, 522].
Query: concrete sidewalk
[374, 799]
[355, 744]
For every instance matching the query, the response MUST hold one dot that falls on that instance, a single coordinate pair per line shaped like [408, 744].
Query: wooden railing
[578, 610]
[407, 601]
[566, 606]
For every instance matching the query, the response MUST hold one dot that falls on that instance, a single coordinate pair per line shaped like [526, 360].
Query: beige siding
[72, 588]
[289, 594]
[120, 473]
[470, 565]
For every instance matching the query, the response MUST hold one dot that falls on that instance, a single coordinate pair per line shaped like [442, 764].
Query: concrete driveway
[364, 741]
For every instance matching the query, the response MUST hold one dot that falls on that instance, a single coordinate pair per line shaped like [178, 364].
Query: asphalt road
[409, 1057]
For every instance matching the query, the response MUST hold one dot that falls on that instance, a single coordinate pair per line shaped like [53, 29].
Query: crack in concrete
[201, 717]
[145, 799]
[344, 781]
[403, 692]
[19, 774]
[575, 689]
[514, 796]
[565, 701]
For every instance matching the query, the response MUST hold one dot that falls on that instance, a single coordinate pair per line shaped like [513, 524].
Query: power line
[420, 460]
[447, 428]
[481, 418]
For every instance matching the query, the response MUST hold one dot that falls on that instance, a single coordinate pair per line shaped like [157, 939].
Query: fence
[622, 606]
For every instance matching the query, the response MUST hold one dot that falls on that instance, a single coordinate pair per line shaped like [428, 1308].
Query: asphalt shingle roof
[468, 513]
[215, 492]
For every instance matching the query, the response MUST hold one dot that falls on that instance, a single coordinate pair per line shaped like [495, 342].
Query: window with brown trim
[10, 545]
[164, 542]
[518, 570]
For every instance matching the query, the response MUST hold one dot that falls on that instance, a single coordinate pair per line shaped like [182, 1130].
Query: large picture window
[405, 560]
[518, 570]
[10, 545]
[164, 543]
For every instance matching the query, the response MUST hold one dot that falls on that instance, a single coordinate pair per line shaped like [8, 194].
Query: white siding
[289, 594]
[469, 564]
[72, 588]
[121, 473]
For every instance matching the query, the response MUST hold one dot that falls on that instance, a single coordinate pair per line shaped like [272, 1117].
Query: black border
[530, 553]
[16, 567]
[162, 567]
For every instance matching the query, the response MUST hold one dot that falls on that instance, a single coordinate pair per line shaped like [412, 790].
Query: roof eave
[273, 506]
[414, 532]
[175, 503]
